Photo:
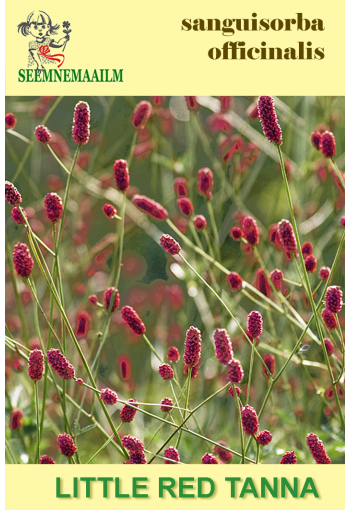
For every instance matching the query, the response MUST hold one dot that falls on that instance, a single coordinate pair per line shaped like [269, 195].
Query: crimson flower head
[166, 405]
[209, 458]
[36, 364]
[165, 371]
[81, 123]
[84, 319]
[60, 364]
[288, 458]
[317, 449]
[286, 236]
[270, 362]
[324, 273]
[307, 249]
[108, 396]
[236, 233]
[310, 263]
[327, 144]
[205, 182]
[342, 221]
[16, 420]
[264, 437]
[181, 187]
[192, 355]
[250, 422]
[262, 283]
[10, 121]
[141, 114]
[108, 296]
[276, 276]
[133, 320]
[250, 230]
[235, 281]
[12, 194]
[268, 119]
[109, 210]
[329, 319]
[172, 454]
[150, 207]
[329, 346]
[255, 324]
[132, 444]
[185, 205]
[121, 174]
[22, 260]
[224, 455]
[169, 244]
[127, 414]
[45, 459]
[223, 346]
[334, 299]
[42, 134]
[66, 445]
[316, 139]
[93, 299]
[199, 222]
[17, 216]
[235, 371]
[53, 207]
[173, 354]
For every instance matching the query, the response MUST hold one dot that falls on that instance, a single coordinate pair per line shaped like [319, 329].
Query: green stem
[37, 457]
[214, 227]
[250, 372]
[339, 175]
[57, 159]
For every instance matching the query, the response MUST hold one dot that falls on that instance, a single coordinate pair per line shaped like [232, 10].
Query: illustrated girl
[39, 26]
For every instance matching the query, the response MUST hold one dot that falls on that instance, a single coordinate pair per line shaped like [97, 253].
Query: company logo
[43, 61]
[41, 30]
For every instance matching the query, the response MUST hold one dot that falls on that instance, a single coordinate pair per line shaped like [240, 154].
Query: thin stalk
[57, 159]
[214, 227]
[37, 457]
[250, 372]
[339, 175]
[239, 414]
[257, 453]
[186, 402]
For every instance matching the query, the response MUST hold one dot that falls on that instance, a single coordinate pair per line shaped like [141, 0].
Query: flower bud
[42, 134]
[268, 119]
[121, 174]
[108, 396]
[133, 320]
[81, 123]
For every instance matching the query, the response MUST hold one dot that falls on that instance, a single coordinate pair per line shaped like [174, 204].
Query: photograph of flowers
[175, 280]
